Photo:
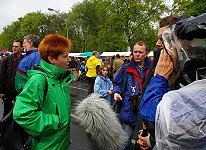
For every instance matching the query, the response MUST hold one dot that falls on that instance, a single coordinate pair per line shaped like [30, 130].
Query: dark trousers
[8, 105]
[91, 81]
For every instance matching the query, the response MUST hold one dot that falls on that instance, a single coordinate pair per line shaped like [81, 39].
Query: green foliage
[129, 21]
[10, 33]
[102, 25]
[83, 22]
[189, 7]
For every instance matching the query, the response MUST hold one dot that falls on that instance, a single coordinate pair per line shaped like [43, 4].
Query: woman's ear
[50, 59]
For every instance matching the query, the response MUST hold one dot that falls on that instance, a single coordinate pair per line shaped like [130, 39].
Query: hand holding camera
[143, 137]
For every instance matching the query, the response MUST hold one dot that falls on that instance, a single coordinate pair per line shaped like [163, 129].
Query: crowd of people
[152, 93]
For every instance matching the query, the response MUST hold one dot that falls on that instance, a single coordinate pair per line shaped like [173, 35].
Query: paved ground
[81, 141]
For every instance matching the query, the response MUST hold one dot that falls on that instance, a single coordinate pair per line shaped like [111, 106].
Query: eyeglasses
[104, 70]
[15, 46]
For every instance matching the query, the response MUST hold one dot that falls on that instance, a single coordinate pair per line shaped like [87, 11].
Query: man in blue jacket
[148, 111]
[182, 60]
[128, 85]
[31, 58]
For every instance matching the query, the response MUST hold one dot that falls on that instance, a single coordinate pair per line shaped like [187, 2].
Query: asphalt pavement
[81, 140]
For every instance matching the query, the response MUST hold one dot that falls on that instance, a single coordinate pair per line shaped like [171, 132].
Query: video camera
[187, 37]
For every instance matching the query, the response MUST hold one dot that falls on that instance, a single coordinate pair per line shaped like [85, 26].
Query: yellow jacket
[91, 65]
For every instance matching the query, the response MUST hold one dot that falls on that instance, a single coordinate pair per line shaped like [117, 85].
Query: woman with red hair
[47, 119]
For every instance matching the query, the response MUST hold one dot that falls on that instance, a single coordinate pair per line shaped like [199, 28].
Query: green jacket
[48, 120]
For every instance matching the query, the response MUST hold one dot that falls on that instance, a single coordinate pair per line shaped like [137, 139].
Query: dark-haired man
[149, 118]
[173, 116]
[8, 66]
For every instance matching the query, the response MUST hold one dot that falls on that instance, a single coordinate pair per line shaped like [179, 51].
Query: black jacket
[8, 66]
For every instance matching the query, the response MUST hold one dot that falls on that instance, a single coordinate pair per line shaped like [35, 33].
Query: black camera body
[144, 132]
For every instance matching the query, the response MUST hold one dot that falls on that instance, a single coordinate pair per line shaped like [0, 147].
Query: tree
[106, 25]
[11, 32]
[102, 25]
[32, 23]
[189, 7]
[83, 24]
[130, 21]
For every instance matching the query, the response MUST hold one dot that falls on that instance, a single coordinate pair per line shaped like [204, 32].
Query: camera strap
[133, 86]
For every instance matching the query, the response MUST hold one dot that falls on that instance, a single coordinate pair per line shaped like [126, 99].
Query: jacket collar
[31, 51]
[146, 66]
[54, 72]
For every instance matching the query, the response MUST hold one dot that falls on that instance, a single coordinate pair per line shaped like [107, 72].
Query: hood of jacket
[91, 58]
[146, 66]
[53, 72]
[104, 78]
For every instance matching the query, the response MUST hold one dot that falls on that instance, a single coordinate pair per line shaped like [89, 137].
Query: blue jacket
[32, 58]
[127, 114]
[153, 95]
[102, 85]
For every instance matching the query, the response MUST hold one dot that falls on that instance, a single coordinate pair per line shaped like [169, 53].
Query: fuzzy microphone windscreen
[96, 116]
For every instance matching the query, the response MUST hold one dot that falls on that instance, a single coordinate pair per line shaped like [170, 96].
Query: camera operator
[178, 123]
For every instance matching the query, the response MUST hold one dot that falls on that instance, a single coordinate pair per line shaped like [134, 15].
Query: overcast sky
[11, 10]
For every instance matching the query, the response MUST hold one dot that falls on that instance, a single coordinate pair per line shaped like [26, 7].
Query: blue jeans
[129, 129]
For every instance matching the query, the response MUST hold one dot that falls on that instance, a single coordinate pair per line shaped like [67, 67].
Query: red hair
[53, 45]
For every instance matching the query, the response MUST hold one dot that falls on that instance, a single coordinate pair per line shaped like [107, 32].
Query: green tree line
[102, 25]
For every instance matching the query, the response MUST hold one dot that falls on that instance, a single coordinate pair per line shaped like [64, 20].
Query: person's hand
[111, 88]
[117, 97]
[1, 95]
[142, 141]
[165, 66]
[71, 142]
[110, 92]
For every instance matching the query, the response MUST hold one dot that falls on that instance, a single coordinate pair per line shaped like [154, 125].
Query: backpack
[12, 135]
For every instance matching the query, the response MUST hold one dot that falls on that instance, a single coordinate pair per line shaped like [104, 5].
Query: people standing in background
[103, 85]
[92, 65]
[82, 67]
[73, 65]
[47, 117]
[129, 59]
[108, 62]
[117, 64]
[128, 86]
[8, 66]
[30, 44]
